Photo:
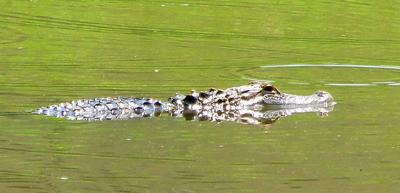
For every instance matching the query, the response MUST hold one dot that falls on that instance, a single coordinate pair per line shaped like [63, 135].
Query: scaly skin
[256, 103]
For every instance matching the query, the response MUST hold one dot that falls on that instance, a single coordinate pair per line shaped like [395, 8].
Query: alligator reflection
[266, 116]
[252, 117]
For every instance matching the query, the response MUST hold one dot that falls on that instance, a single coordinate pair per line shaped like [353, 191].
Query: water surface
[56, 51]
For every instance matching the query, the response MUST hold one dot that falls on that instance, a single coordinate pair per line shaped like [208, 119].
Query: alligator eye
[270, 88]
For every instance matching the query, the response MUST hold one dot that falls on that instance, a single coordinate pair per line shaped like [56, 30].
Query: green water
[55, 51]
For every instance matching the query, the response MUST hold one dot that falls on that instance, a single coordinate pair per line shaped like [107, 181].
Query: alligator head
[254, 95]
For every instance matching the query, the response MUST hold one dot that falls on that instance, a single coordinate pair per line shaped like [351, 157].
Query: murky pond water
[56, 51]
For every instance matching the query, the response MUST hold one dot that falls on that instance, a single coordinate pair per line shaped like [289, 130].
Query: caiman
[259, 102]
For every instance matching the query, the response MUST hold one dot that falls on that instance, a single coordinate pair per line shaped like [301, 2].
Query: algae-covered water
[56, 51]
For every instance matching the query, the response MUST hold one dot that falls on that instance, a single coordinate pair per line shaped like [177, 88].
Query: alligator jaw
[319, 98]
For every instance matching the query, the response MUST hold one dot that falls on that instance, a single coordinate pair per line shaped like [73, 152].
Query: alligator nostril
[321, 93]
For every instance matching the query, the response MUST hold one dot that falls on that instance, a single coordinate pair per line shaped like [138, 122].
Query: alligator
[259, 102]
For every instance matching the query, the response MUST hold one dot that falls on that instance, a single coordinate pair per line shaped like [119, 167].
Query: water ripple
[348, 84]
[332, 65]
